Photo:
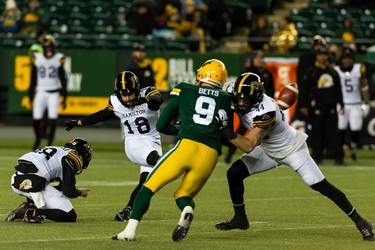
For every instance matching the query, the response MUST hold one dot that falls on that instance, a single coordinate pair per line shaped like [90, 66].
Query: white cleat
[183, 226]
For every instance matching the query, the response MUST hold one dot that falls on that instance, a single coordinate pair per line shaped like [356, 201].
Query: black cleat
[19, 213]
[236, 223]
[183, 226]
[31, 217]
[365, 228]
[124, 215]
[353, 155]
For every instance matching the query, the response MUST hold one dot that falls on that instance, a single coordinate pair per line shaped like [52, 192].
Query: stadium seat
[303, 15]
[325, 15]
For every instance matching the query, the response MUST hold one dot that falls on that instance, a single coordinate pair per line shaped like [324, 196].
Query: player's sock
[52, 128]
[141, 203]
[38, 138]
[142, 180]
[185, 201]
[58, 215]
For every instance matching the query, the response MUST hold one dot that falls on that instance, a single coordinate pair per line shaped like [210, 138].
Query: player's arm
[255, 136]
[167, 116]
[304, 93]
[71, 164]
[33, 80]
[365, 90]
[154, 98]
[100, 116]
[338, 90]
[63, 81]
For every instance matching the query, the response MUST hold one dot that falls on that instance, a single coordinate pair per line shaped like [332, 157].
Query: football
[288, 96]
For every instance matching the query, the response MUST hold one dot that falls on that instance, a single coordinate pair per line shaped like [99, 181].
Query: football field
[283, 212]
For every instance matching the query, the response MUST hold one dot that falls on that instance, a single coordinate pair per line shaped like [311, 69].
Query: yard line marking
[146, 236]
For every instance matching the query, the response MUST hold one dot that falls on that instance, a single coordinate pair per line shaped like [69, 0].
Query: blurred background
[99, 37]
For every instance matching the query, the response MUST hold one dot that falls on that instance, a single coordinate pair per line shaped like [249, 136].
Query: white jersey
[138, 122]
[47, 71]
[280, 139]
[48, 161]
[350, 84]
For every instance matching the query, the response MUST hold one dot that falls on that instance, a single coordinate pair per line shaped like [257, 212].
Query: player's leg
[343, 122]
[39, 107]
[304, 165]
[196, 175]
[356, 122]
[249, 164]
[147, 154]
[169, 168]
[53, 112]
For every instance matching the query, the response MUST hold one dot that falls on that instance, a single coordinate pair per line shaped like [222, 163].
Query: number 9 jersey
[198, 106]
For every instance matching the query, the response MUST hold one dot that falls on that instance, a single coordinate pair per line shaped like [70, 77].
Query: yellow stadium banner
[76, 105]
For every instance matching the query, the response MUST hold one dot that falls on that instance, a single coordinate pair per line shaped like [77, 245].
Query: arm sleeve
[338, 90]
[169, 113]
[63, 79]
[265, 121]
[155, 98]
[100, 116]
[71, 164]
[33, 82]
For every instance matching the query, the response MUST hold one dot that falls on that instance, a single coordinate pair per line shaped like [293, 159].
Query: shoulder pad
[265, 120]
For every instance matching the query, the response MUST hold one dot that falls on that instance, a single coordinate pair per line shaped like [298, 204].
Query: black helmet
[348, 52]
[248, 89]
[83, 148]
[127, 83]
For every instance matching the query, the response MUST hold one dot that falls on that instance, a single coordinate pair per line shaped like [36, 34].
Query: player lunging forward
[272, 142]
[195, 155]
[138, 110]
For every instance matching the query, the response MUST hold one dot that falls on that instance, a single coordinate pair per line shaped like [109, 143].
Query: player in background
[354, 88]
[272, 142]
[37, 170]
[138, 110]
[199, 108]
[48, 83]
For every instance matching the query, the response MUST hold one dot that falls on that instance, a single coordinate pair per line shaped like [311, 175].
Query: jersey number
[348, 86]
[204, 108]
[48, 152]
[52, 72]
[143, 126]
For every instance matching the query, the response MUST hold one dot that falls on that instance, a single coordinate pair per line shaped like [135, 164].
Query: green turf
[283, 212]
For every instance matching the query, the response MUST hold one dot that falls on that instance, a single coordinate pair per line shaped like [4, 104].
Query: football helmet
[83, 148]
[126, 84]
[48, 45]
[212, 72]
[318, 40]
[248, 92]
[346, 60]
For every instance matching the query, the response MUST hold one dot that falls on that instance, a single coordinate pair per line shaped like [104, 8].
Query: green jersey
[197, 108]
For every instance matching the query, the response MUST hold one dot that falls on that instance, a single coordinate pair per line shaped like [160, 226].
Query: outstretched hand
[70, 124]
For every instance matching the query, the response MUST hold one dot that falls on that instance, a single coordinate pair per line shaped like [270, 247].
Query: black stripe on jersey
[264, 121]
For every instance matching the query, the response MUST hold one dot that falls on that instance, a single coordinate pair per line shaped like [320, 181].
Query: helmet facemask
[127, 85]
[248, 92]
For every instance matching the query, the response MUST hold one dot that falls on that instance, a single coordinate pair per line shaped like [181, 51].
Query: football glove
[70, 124]
[222, 118]
[365, 110]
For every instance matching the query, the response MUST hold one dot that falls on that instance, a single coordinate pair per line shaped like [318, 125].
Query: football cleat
[183, 226]
[19, 213]
[124, 215]
[365, 228]
[31, 217]
[236, 223]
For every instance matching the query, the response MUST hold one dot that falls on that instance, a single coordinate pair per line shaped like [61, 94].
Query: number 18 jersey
[138, 122]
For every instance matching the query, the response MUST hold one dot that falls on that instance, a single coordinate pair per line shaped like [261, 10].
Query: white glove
[223, 118]
[365, 110]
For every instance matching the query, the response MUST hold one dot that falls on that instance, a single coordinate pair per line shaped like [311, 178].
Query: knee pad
[237, 172]
[153, 158]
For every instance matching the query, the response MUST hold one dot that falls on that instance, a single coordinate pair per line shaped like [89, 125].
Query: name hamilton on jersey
[135, 113]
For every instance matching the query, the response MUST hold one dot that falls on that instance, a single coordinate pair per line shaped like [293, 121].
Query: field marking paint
[190, 233]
